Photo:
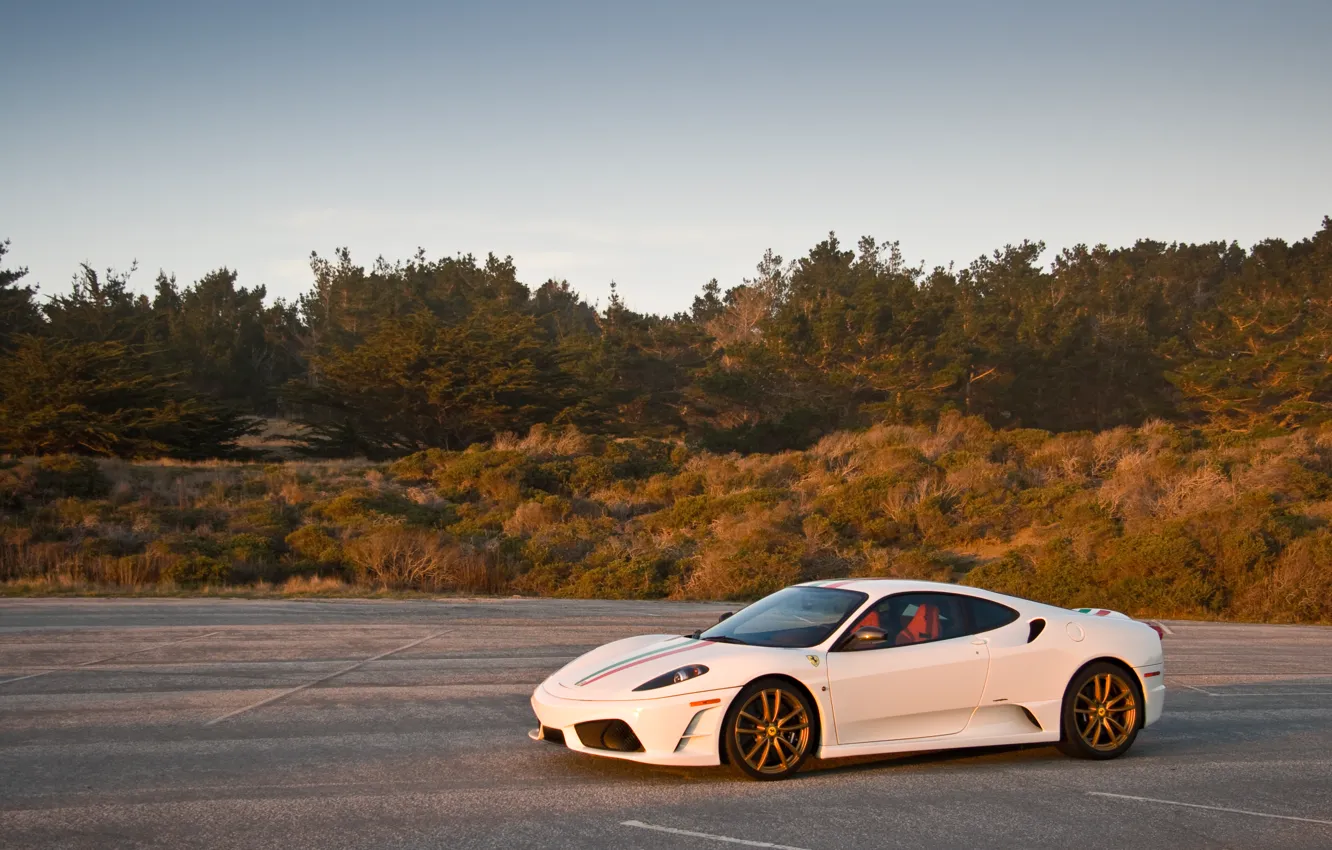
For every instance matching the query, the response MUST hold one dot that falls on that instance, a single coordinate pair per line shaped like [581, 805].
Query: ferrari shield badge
[813, 660]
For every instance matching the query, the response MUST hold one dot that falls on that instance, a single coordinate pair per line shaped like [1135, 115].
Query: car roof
[877, 587]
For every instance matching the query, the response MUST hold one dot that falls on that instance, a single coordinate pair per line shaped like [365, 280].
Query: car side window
[911, 618]
[987, 616]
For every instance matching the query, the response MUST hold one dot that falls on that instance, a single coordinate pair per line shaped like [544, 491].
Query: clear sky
[654, 144]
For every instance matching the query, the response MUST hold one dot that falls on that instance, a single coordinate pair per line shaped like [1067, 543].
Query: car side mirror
[867, 635]
[723, 616]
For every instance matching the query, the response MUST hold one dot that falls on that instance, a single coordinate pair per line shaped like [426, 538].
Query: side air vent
[1031, 717]
[1037, 626]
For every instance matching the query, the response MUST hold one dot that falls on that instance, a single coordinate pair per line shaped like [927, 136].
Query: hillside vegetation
[1155, 520]
[1147, 428]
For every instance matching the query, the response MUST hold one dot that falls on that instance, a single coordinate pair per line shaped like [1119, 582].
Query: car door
[924, 680]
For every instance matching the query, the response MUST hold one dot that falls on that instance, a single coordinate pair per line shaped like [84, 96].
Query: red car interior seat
[924, 626]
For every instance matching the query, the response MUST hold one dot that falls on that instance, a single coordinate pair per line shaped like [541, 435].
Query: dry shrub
[1134, 488]
[627, 499]
[956, 431]
[144, 568]
[901, 502]
[425, 497]
[293, 492]
[530, 517]
[884, 436]
[542, 441]
[416, 559]
[894, 461]
[23, 560]
[1299, 589]
[718, 474]
[910, 564]
[814, 483]
[1319, 512]
[499, 487]
[1194, 492]
[769, 470]
[314, 586]
[838, 451]
[1322, 437]
[748, 556]
[624, 569]
[978, 476]
[1065, 457]
[20, 558]
[1271, 473]
[375, 479]
[402, 558]
[1109, 447]
[313, 544]
[1157, 435]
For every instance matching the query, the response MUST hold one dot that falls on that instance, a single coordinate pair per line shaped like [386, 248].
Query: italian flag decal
[671, 648]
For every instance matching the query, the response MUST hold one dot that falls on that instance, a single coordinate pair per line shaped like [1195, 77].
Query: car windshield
[796, 616]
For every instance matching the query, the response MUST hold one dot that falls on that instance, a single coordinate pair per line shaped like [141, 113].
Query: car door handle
[979, 642]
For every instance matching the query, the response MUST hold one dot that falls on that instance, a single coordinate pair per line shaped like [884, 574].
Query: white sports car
[860, 667]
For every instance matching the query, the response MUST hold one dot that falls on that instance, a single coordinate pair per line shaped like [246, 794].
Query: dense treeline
[396, 358]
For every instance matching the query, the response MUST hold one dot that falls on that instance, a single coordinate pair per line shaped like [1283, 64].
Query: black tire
[769, 737]
[1102, 713]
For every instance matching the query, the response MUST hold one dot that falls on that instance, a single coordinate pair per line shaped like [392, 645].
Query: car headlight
[675, 677]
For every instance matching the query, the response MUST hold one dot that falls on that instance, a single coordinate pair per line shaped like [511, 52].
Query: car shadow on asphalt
[580, 766]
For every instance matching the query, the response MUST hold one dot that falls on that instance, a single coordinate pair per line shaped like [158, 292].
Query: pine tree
[419, 382]
[18, 312]
[1262, 357]
[105, 397]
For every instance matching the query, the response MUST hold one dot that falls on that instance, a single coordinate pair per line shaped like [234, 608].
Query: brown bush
[1299, 590]
[747, 556]
[417, 559]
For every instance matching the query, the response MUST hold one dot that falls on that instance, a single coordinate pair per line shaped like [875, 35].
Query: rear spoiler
[1106, 612]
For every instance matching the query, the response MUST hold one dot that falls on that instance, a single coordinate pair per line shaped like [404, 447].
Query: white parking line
[1273, 694]
[1195, 688]
[1209, 808]
[723, 838]
[332, 675]
[108, 658]
[1164, 627]
[1257, 693]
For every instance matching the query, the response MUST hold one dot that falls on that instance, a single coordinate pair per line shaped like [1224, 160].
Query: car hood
[614, 670]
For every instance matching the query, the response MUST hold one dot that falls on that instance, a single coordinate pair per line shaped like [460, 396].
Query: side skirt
[942, 742]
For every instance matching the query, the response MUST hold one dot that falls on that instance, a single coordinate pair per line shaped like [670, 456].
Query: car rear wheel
[769, 731]
[1102, 713]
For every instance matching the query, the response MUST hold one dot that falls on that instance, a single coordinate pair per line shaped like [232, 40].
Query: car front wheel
[769, 729]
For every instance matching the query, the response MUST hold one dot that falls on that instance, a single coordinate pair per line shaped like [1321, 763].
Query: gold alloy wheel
[1105, 711]
[772, 731]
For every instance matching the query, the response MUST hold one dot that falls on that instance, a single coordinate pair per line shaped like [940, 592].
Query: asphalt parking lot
[332, 724]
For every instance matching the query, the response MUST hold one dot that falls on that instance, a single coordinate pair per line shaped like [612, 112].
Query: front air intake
[555, 736]
[608, 735]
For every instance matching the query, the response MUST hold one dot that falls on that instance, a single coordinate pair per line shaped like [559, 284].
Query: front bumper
[677, 730]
